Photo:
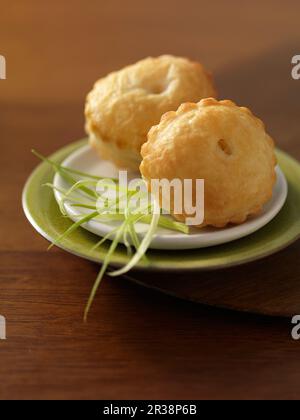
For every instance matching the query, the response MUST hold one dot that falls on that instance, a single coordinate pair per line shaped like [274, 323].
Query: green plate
[43, 213]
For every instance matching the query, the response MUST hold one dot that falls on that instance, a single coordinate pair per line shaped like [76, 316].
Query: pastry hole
[223, 145]
[157, 89]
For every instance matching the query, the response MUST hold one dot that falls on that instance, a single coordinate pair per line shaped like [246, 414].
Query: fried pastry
[222, 143]
[124, 105]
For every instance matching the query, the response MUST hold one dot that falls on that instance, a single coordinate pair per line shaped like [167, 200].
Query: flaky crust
[223, 144]
[123, 106]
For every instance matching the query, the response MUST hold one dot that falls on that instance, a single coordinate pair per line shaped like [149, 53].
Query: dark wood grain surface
[138, 343]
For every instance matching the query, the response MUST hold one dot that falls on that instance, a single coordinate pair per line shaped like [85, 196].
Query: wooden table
[137, 343]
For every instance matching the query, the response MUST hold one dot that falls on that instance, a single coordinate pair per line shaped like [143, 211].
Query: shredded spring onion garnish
[83, 193]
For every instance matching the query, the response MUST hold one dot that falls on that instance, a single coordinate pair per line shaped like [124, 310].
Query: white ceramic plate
[85, 159]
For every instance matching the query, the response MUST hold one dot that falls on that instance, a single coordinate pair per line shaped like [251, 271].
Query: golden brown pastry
[124, 105]
[223, 144]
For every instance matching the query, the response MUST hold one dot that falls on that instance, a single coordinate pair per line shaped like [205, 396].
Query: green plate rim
[159, 260]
